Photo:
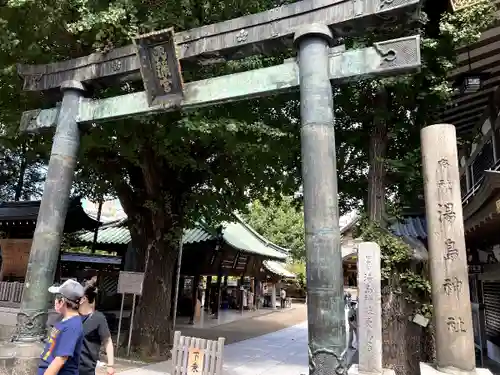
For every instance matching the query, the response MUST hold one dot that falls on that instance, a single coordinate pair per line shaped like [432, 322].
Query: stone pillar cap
[313, 30]
[72, 85]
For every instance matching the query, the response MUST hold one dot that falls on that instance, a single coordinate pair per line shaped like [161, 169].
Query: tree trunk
[401, 338]
[20, 180]
[152, 336]
[377, 153]
[155, 223]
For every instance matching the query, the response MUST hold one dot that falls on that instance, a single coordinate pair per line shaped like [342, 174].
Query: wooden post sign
[128, 283]
[195, 361]
[196, 356]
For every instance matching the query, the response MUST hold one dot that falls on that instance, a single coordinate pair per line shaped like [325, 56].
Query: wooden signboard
[195, 361]
[130, 283]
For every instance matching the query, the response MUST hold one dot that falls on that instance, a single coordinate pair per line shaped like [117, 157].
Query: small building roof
[90, 258]
[410, 226]
[25, 213]
[279, 269]
[237, 234]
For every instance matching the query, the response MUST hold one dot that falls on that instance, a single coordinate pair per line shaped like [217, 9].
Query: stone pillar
[325, 291]
[369, 312]
[369, 308]
[447, 256]
[32, 317]
[273, 296]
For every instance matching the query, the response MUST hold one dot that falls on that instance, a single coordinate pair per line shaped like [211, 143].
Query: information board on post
[129, 283]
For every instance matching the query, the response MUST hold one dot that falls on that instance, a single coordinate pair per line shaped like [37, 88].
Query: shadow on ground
[245, 329]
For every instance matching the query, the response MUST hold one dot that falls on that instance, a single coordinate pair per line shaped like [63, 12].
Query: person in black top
[96, 333]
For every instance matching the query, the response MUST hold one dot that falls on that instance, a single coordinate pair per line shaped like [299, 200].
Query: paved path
[283, 352]
[246, 328]
[279, 353]
[251, 327]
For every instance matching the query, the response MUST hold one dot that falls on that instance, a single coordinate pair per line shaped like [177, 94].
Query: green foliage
[299, 269]
[208, 159]
[22, 159]
[397, 264]
[414, 101]
[280, 221]
[465, 26]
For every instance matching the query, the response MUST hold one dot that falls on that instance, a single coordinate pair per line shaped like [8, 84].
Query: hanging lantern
[471, 84]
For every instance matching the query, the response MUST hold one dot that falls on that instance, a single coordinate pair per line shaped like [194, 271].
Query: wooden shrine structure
[17, 224]
[234, 249]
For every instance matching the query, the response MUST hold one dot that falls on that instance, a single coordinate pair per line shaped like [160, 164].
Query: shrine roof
[410, 226]
[237, 234]
[25, 213]
[279, 269]
[90, 258]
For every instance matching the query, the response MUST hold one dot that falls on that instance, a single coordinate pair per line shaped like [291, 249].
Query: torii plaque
[308, 25]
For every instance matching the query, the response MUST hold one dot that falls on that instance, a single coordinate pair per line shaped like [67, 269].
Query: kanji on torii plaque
[311, 26]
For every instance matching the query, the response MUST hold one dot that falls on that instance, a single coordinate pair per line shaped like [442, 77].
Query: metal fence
[11, 291]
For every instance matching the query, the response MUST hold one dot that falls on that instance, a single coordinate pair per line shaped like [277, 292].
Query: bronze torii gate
[308, 25]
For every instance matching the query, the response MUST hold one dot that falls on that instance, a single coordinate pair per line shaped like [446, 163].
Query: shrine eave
[237, 234]
[24, 214]
[278, 269]
[469, 109]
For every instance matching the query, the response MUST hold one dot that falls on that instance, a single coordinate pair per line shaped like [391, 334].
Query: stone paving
[279, 353]
[283, 352]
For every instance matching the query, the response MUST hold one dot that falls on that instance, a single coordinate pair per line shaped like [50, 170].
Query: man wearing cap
[61, 355]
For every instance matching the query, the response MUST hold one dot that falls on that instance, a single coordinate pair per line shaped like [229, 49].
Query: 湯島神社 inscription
[344, 66]
[260, 33]
[448, 264]
[453, 286]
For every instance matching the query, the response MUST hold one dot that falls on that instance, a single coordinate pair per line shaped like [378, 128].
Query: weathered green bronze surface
[44, 252]
[160, 68]
[386, 58]
[260, 33]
